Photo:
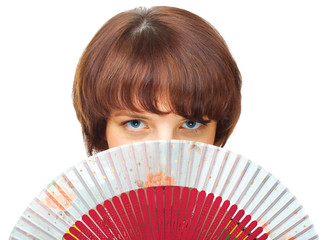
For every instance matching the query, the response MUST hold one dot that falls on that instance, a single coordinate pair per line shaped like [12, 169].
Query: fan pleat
[115, 171]
[291, 227]
[305, 232]
[38, 232]
[264, 198]
[18, 233]
[208, 171]
[86, 181]
[241, 177]
[102, 177]
[218, 176]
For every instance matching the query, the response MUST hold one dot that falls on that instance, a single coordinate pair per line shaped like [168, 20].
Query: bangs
[184, 88]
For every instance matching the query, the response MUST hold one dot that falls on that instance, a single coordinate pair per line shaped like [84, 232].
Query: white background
[280, 47]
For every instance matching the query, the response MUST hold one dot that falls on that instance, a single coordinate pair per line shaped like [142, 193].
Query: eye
[191, 124]
[135, 124]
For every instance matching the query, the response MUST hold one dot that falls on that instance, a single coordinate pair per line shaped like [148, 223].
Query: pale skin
[126, 127]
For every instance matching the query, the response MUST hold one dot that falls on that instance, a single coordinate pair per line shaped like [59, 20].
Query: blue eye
[191, 124]
[135, 124]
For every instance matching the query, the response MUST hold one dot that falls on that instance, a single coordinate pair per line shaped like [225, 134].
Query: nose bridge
[165, 133]
[165, 127]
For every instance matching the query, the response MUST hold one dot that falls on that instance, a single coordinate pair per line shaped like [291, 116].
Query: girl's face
[126, 127]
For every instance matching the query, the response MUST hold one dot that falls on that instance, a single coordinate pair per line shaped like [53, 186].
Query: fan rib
[233, 223]
[116, 219]
[134, 161]
[86, 231]
[70, 201]
[203, 214]
[28, 233]
[175, 211]
[242, 175]
[95, 182]
[291, 227]
[239, 228]
[156, 157]
[224, 161]
[243, 234]
[198, 207]
[263, 236]
[280, 211]
[209, 173]
[125, 170]
[273, 204]
[200, 168]
[251, 181]
[182, 211]
[69, 237]
[178, 172]
[137, 212]
[36, 214]
[167, 212]
[218, 219]
[146, 159]
[104, 175]
[51, 212]
[303, 232]
[144, 208]
[152, 211]
[225, 221]
[210, 217]
[190, 208]
[231, 172]
[316, 237]
[124, 219]
[264, 198]
[168, 170]
[160, 211]
[114, 171]
[76, 194]
[251, 199]
[255, 233]
[130, 214]
[108, 221]
[100, 223]
[85, 186]
[76, 233]
[191, 159]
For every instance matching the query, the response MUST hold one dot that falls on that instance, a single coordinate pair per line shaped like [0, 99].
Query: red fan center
[166, 213]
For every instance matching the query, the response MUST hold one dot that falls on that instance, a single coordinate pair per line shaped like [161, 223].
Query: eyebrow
[129, 114]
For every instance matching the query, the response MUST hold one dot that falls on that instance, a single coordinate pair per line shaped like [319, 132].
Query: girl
[158, 73]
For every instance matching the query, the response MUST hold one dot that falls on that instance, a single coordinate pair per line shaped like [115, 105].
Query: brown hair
[145, 55]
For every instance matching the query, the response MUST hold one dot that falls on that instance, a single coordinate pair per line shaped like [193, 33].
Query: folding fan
[165, 190]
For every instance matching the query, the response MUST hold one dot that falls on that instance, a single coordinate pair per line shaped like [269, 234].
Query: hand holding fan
[165, 190]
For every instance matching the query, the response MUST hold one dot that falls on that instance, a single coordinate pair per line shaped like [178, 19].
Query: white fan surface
[182, 163]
